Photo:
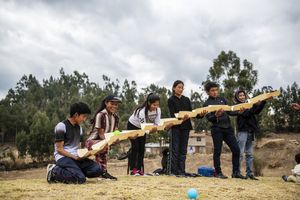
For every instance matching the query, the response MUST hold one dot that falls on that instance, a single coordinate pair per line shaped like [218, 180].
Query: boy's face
[154, 106]
[112, 106]
[242, 97]
[80, 118]
[179, 89]
[213, 92]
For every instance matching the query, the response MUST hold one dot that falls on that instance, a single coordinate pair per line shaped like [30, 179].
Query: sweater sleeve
[296, 170]
[171, 108]
[210, 116]
[260, 107]
[141, 116]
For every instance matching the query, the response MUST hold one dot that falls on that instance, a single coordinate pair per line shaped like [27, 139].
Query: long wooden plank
[214, 108]
[110, 138]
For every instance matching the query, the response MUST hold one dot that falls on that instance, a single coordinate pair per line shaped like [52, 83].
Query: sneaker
[106, 175]
[221, 176]
[238, 175]
[49, 176]
[141, 172]
[135, 172]
[252, 177]
[284, 177]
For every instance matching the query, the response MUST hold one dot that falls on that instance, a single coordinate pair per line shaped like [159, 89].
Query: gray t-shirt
[70, 134]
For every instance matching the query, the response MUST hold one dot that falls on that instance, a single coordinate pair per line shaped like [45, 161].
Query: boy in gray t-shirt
[69, 167]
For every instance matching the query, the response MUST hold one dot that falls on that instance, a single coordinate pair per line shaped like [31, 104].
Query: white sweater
[296, 170]
[140, 118]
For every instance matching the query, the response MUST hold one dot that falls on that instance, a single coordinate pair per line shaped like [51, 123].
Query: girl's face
[112, 106]
[242, 96]
[178, 89]
[154, 106]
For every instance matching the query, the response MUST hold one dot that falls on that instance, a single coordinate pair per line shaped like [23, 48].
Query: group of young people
[69, 168]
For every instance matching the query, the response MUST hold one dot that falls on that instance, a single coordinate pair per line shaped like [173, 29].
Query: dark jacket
[219, 122]
[247, 121]
[175, 105]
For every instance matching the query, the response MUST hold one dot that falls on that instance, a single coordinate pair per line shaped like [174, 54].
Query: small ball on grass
[192, 193]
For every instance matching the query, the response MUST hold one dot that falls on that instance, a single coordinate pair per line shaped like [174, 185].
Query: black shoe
[193, 175]
[238, 175]
[221, 175]
[106, 175]
[182, 175]
[252, 177]
[284, 177]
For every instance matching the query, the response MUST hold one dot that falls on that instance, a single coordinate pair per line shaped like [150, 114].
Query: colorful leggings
[101, 158]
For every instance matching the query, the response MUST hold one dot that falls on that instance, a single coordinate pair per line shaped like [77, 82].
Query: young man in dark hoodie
[247, 126]
[221, 130]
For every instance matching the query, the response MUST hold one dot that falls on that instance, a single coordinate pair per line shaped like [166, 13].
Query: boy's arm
[231, 113]
[210, 116]
[60, 149]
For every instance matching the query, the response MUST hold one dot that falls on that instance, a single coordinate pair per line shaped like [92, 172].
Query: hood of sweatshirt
[236, 96]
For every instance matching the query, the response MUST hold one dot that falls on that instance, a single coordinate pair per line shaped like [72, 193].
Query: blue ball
[192, 193]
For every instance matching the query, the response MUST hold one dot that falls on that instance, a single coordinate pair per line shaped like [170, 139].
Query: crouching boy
[69, 167]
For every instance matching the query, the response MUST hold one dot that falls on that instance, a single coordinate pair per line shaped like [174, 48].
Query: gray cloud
[159, 41]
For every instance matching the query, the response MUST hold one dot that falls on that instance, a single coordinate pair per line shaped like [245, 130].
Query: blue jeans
[246, 146]
[68, 170]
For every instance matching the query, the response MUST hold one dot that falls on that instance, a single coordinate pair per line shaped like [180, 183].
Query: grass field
[162, 187]
[31, 183]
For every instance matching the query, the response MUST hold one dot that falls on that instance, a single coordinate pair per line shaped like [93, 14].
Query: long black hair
[101, 107]
[175, 84]
[151, 98]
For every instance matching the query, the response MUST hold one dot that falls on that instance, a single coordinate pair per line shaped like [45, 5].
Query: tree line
[29, 112]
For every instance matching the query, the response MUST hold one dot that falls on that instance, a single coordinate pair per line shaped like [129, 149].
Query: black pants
[68, 170]
[227, 135]
[178, 150]
[136, 157]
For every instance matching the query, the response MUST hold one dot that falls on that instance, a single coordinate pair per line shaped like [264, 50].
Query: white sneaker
[49, 173]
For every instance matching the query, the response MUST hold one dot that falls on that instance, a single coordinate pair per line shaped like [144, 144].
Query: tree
[41, 137]
[230, 75]
[197, 101]
[21, 143]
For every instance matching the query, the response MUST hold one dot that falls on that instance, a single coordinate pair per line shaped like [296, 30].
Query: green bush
[39, 142]
[258, 166]
[21, 142]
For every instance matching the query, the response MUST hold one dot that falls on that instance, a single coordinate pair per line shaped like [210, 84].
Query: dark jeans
[178, 150]
[136, 157]
[68, 170]
[227, 135]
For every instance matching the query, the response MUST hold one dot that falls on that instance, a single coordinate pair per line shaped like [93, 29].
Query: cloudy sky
[148, 41]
